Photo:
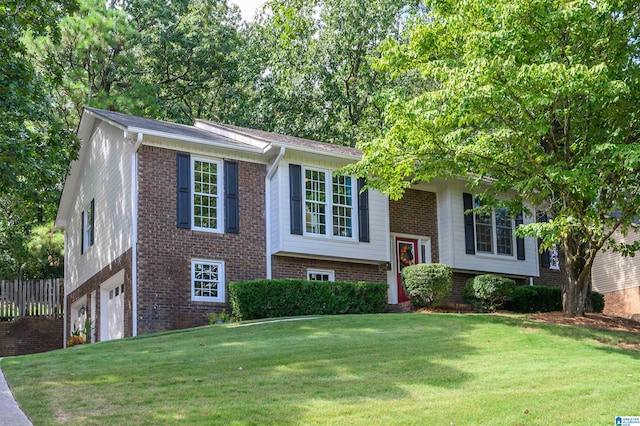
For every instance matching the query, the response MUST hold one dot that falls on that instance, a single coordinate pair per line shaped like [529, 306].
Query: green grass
[433, 369]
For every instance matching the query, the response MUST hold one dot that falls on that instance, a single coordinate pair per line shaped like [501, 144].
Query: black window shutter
[519, 240]
[545, 257]
[469, 232]
[295, 190]
[183, 203]
[92, 221]
[363, 212]
[82, 232]
[231, 217]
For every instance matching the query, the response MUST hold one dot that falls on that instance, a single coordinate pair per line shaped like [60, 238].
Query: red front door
[406, 255]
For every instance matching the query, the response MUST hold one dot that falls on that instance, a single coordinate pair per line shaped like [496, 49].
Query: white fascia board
[292, 147]
[208, 142]
[259, 143]
[85, 128]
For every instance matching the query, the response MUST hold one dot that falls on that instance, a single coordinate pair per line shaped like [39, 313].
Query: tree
[33, 142]
[539, 96]
[314, 77]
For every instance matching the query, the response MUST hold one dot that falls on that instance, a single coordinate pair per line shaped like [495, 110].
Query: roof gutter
[267, 185]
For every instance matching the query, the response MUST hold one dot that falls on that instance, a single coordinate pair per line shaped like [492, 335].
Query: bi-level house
[159, 217]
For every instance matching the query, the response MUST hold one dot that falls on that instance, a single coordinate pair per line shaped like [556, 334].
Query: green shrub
[291, 297]
[527, 299]
[597, 301]
[487, 292]
[427, 283]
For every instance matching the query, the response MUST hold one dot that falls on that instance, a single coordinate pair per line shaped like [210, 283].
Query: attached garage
[112, 307]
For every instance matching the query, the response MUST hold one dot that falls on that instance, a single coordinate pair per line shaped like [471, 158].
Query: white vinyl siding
[612, 271]
[105, 177]
[451, 240]
[309, 245]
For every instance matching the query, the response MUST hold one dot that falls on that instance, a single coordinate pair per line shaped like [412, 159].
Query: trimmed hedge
[427, 283]
[291, 297]
[487, 292]
[537, 298]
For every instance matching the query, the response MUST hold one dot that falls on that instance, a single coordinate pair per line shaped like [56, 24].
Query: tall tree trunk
[576, 282]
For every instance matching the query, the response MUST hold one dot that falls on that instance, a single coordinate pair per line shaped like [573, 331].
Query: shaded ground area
[591, 320]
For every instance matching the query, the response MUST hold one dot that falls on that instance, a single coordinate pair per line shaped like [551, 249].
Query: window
[494, 231]
[324, 193]
[207, 281]
[320, 275]
[554, 258]
[206, 190]
[87, 223]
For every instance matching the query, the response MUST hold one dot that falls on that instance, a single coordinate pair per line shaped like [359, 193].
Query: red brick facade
[93, 284]
[416, 214]
[165, 251]
[293, 267]
[623, 302]
[29, 335]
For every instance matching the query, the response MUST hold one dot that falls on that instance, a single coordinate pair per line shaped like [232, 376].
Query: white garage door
[112, 308]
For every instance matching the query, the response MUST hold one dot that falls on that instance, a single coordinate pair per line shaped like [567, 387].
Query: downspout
[267, 186]
[134, 236]
[64, 291]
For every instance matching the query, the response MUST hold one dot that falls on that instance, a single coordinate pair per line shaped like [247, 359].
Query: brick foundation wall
[622, 302]
[294, 267]
[165, 251]
[28, 335]
[93, 284]
[548, 277]
[416, 214]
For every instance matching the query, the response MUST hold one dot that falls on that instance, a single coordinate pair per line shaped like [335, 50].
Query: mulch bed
[591, 320]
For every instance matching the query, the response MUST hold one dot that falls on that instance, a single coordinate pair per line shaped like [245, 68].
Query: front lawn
[436, 369]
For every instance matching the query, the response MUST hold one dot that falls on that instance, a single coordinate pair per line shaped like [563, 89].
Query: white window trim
[328, 181]
[329, 272]
[494, 238]
[220, 204]
[221, 279]
[86, 226]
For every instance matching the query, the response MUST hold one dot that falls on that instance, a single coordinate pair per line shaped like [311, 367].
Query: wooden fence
[31, 298]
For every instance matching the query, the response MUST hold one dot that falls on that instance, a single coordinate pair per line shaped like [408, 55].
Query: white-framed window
[207, 281]
[88, 223]
[320, 275]
[206, 194]
[329, 204]
[554, 258]
[495, 231]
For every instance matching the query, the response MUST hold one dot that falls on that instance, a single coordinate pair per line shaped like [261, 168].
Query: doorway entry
[406, 255]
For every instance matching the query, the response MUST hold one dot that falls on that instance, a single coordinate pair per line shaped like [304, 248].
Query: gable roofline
[280, 140]
[169, 130]
[203, 132]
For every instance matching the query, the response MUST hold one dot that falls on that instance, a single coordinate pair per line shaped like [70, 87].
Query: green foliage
[427, 283]
[290, 297]
[312, 71]
[218, 317]
[487, 292]
[528, 299]
[34, 253]
[597, 301]
[541, 97]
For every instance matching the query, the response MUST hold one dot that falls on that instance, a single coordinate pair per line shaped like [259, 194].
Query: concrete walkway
[10, 412]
